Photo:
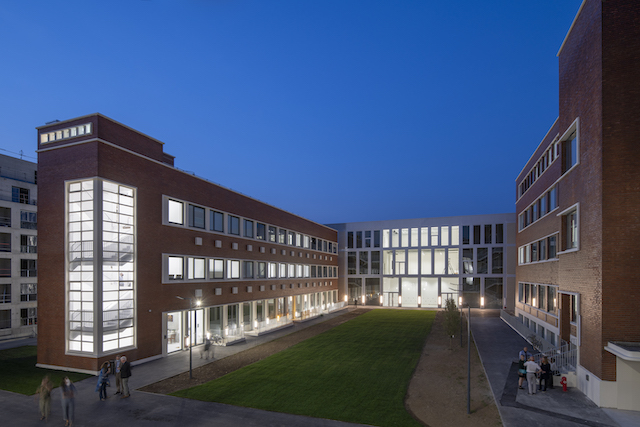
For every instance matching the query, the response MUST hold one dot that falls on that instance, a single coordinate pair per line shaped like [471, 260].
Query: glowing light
[419, 299]
[482, 301]
[345, 298]
[459, 300]
[439, 300]
[399, 299]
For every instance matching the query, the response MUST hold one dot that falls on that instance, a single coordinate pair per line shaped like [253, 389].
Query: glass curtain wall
[101, 266]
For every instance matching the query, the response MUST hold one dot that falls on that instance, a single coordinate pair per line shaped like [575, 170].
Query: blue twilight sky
[335, 110]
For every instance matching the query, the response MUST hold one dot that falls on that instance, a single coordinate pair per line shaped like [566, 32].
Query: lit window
[176, 212]
[233, 269]
[196, 268]
[216, 268]
[176, 268]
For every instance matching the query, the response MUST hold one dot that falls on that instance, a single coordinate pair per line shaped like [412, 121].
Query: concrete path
[498, 345]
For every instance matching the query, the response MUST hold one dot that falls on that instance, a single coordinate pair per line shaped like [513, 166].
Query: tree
[451, 319]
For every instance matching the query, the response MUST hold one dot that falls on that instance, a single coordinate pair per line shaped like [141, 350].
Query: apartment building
[144, 259]
[421, 262]
[578, 200]
[18, 248]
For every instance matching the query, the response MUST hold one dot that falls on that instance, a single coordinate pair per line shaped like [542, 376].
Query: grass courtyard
[20, 374]
[357, 372]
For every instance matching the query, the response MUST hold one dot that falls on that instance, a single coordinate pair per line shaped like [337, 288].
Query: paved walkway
[497, 344]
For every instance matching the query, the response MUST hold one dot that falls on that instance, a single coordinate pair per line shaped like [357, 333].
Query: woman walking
[44, 390]
[103, 380]
[68, 400]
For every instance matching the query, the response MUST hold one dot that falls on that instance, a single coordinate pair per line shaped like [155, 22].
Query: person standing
[532, 370]
[116, 365]
[125, 373]
[103, 380]
[522, 372]
[44, 390]
[545, 375]
[525, 352]
[68, 391]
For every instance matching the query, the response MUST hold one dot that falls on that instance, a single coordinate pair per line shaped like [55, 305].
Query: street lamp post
[469, 359]
[193, 302]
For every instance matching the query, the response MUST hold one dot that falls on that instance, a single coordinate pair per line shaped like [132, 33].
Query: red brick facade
[125, 156]
[599, 71]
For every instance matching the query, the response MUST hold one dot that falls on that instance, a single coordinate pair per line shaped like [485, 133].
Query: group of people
[122, 373]
[68, 394]
[530, 371]
[68, 391]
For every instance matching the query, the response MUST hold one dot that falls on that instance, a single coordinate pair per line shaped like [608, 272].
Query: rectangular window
[29, 316]
[551, 299]
[552, 247]
[395, 238]
[234, 225]
[5, 217]
[216, 268]
[376, 238]
[261, 231]
[28, 292]
[385, 238]
[569, 152]
[28, 220]
[400, 262]
[28, 244]
[364, 262]
[313, 271]
[248, 228]
[5, 319]
[487, 234]
[412, 261]
[574, 308]
[282, 267]
[233, 269]
[176, 212]
[272, 234]
[497, 256]
[195, 268]
[534, 252]
[542, 298]
[5, 242]
[467, 261]
[387, 262]
[455, 235]
[291, 238]
[5, 293]
[444, 236]
[350, 239]
[28, 268]
[351, 263]
[434, 236]
[20, 195]
[367, 239]
[476, 234]
[571, 230]
[358, 239]
[216, 220]
[273, 270]
[282, 236]
[465, 234]
[247, 269]
[414, 237]
[404, 237]
[176, 268]
[375, 262]
[553, 199]
[196, 216]
[262, 270]
[542, 250]
[499, 234]
[483, 262]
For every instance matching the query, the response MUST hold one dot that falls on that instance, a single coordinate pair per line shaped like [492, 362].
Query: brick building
[578, 208]
[143, 259]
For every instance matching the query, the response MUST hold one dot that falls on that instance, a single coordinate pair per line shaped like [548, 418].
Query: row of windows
[71, 132]
[28, 244]
[545, 160]
[545, 204]
[429, 236]
[21, 195]
[28, 220]
[196, 217]
[28, 316]
[540, 250]
[191, 268]
[542, 297]
[28, 292]
[27, 267]
[367, 242]
[539, 329]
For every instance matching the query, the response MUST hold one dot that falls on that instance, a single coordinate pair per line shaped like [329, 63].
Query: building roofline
[536, 149]
[111, 144]
[104, 117]
[571, 27]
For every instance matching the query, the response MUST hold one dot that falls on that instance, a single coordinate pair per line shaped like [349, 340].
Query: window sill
[568, 251]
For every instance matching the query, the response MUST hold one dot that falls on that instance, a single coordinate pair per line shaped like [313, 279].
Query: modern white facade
[18, 248]
[422, 262]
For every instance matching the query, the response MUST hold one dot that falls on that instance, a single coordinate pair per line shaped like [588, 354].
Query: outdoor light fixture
[439, 300]
[363, 299]
[482, 301]
[380, 299]
[459, 300]
[345, 298]
[399, 299]
[534, 301]
[419, 299]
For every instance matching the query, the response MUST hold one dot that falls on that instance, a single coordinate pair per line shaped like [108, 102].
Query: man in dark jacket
[125, 373]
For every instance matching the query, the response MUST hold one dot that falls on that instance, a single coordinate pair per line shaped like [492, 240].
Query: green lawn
[357, 372]
[18, 372]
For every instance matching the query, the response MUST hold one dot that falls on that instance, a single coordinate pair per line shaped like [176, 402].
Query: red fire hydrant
[563, 381]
